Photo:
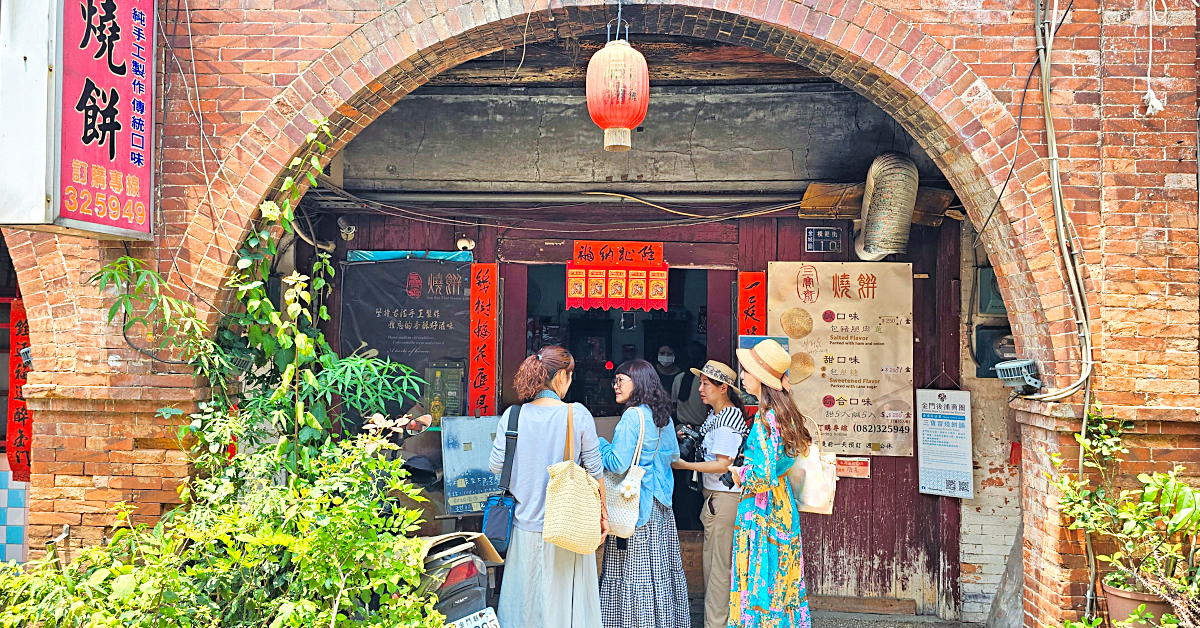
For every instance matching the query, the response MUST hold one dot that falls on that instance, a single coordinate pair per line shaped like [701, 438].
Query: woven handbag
[622, 492]
[572, 502]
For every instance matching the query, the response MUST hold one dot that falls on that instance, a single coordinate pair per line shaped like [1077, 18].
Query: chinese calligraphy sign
[107, 123]
[415, 312]
[627, 254]
[20, 424]
[850, 333]
[481, 378]
[617, 275]
[752, 304]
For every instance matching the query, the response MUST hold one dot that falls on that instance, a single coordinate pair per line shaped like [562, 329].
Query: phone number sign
[106, 100]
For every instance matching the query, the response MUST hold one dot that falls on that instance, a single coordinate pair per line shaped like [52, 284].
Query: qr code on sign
[949, 485]
[964, 486]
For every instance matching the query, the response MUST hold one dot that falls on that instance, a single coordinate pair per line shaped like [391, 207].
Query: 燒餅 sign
[77, 86]
[850, 334]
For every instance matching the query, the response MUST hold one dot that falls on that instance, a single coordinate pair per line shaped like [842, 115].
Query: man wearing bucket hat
[768, 561]
[721, 439]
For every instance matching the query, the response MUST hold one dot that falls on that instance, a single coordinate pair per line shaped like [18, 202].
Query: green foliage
[300, 526]
[248, 550]
[1154, 528]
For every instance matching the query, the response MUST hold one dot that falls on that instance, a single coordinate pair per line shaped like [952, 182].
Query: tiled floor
[13, 511]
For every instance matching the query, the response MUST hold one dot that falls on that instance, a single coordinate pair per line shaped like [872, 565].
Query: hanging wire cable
[1016, 144]
[429, 215]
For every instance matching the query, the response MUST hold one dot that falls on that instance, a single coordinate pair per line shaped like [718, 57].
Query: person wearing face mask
[666, 367]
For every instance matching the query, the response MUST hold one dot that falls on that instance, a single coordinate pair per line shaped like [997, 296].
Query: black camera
[689, 444]
[727, 477]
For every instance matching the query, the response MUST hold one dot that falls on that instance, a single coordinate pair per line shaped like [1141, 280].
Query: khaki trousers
[718, 514]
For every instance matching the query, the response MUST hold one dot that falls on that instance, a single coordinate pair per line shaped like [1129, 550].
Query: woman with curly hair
[546, 585]
[643, 585]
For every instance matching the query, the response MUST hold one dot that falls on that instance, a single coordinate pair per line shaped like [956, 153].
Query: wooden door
[886, 548]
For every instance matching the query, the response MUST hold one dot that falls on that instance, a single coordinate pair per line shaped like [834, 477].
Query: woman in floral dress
[768, 563]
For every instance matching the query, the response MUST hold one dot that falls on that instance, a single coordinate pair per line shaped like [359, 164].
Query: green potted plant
[1152, 529]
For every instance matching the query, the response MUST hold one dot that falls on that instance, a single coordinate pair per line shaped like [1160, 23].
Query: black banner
[412, 311]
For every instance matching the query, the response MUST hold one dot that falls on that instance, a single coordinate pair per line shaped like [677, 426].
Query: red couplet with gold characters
[481, 382]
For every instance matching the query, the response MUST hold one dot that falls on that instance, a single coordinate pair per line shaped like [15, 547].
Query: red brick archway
[939, 100]
[100, 397]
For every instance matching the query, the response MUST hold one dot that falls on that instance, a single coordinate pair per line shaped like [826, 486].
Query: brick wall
[247, 75]
[990, 521]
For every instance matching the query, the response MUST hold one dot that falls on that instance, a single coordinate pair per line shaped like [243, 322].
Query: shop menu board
[466, 449]
[411, 311]
[944, 459]
[850, 331]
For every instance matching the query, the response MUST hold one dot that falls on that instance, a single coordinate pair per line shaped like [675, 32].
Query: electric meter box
[993, 345]
[990, 301]
[79, 119]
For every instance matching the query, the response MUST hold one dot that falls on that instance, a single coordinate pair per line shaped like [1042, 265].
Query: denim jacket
[659, 449]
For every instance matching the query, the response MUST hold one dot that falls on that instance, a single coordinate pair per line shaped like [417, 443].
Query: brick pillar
[91, 453]
[1056, 570]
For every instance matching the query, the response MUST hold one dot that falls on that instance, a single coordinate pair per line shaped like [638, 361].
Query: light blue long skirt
[545, 586]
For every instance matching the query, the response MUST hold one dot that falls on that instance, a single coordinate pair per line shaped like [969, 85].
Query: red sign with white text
[107, 114]
[481, 381]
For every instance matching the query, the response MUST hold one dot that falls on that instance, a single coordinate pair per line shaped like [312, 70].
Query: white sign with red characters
[86, 164]
[850, 334]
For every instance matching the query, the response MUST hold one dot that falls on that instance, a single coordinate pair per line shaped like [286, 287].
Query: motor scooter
[454, 564]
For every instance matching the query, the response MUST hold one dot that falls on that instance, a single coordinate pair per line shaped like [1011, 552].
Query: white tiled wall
[14, 512]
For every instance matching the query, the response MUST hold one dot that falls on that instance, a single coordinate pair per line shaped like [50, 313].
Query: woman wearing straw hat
[768, 563]
[721, 439]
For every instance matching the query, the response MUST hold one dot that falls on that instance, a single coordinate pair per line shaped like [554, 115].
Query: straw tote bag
[622, 493]
[572, 502]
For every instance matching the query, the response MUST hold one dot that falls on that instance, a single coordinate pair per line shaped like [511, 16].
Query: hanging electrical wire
[433, 216]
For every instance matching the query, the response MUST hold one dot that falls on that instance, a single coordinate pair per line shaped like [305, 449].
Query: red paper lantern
[618, 91]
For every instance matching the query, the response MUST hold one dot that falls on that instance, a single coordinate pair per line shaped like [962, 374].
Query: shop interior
[600, 340]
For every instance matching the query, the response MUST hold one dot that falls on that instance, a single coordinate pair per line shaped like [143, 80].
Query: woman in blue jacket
[642, 585]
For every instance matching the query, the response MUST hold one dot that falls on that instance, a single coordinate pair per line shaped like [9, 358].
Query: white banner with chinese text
[851, 339]
[945, 460]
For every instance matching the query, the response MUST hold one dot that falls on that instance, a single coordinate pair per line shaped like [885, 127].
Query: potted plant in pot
[1151, 529]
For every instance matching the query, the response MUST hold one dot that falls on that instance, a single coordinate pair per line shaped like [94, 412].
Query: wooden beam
[872, 605]
[702, 255]
[671, 60]
[724, 232]
[844, 200]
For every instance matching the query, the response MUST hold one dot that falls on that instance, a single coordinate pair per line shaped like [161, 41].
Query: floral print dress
[768, 563]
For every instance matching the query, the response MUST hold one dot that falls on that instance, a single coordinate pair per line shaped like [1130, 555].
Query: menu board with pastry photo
[850, 334]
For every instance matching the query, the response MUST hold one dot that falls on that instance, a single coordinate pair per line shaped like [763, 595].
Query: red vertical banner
[752, 304]
[20, 425]
[576, 286]
[656, 288]
[616, 288]
[636, 289]
[481, 396]
[597, 288]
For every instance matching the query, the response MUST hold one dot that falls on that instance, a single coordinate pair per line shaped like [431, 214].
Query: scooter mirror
[417, 425]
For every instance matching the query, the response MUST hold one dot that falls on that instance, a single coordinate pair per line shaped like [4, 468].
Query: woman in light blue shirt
[643, 585]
